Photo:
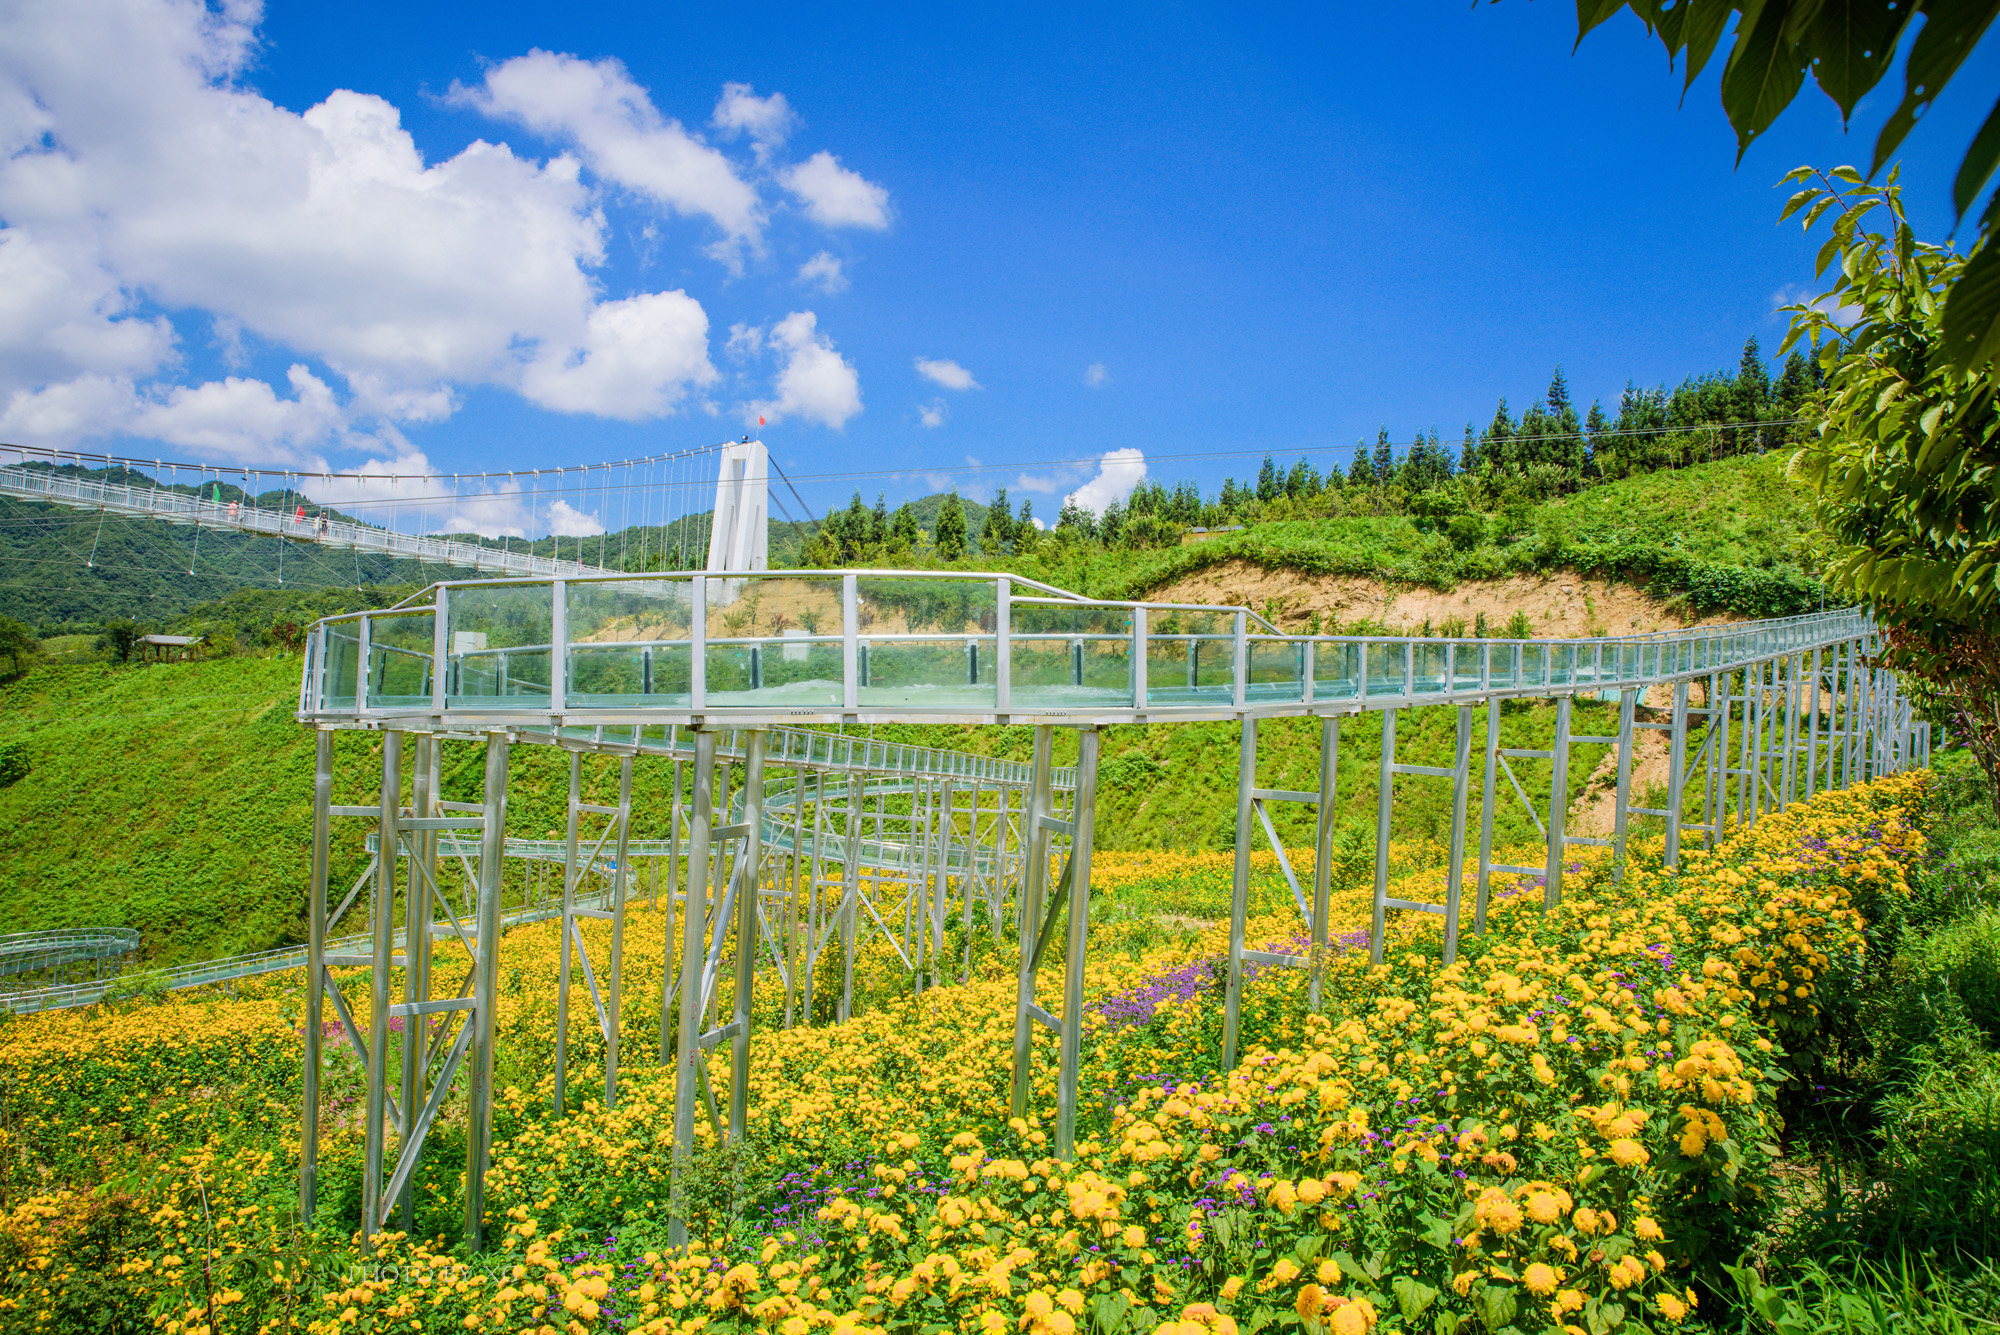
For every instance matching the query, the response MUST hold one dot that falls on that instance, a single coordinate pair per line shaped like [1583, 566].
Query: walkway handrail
[178, 507]
[619, 655]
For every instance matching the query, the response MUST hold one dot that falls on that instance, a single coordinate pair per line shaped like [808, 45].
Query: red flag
[760, 421]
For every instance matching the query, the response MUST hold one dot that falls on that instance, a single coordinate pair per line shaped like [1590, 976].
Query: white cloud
[824, 274]
[931, 414]
[611, 120]
[835, 196]
[948, 374]
[567, 522]
[170, 185]
[1095, 375]
[1118, 472]
[767, 120]
[244, 420]
[67, 411]
[815, 383]
[636, 360]
[62, 312]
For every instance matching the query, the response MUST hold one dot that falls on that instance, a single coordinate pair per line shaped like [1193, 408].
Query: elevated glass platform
[632, 653]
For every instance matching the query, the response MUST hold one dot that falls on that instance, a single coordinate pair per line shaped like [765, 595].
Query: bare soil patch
[1560, 603]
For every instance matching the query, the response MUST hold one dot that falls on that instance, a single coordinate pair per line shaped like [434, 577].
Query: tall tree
[998, 532]
[950, 535]
[878, 520]
[1361, 473]
[904, 531]
[1907, 464]
[1384, 462]
[1468, 453]
[1270, 482]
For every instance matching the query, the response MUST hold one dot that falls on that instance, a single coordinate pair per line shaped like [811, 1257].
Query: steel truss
[784, 844]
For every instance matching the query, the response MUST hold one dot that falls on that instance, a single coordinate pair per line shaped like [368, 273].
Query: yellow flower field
[1561, 1131]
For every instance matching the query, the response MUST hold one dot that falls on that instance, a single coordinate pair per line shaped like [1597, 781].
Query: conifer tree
[998, 530]
[1270, 482]
[1384, 462]
[878, 521]
[950, 535]
[1361, 473]
[904, 529]
[1468, 453]
[1753, 384]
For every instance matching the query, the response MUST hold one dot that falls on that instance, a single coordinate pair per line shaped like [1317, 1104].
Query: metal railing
[613, 651]
[178, 507]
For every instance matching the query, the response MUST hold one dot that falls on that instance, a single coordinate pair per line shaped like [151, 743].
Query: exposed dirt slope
[1560, 603]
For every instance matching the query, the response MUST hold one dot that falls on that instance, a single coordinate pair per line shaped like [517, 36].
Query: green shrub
[1940, 1167]
[1963, 956]
[13, 762]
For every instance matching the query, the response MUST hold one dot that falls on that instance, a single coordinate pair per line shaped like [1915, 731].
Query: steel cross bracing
[177, 507]
[829, 838]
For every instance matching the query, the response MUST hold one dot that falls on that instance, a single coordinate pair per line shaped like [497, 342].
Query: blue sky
[1171, 229]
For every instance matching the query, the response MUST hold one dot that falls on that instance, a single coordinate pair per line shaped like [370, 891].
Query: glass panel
[628, 642]
[1430, 668]
[399, 661]
[1562, 664]
[926, 643]
[1277, 670]
[1385, 667]
[1465, 664]
[1190, 657]
[1336, 668]
[930, 673]
[342, 663]
[774, 640]
[497, 645]
[1534, 665]
[1067, 657]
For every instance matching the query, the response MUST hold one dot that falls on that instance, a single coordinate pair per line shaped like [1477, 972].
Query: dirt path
[1560, 603]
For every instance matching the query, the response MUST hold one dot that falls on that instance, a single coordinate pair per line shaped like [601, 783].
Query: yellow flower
[1540, 1279]
[1544, 1208]
[1628, 1153]
[1648, 1230]
[1672, 1308]
[1628, 1271]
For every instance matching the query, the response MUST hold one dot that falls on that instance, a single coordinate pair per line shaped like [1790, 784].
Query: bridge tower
[740, 538]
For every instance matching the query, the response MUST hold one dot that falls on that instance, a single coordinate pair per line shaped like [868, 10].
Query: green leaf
[1702, 24]
[1109, 1310]
[1797, 202]
[1977, 166]
[1852, 43]
[1412, 1296]
[1590, 13]
[1498, 1305]
[1763, 75]
[1951, 29]
[1351, 1268]
[1971, 323]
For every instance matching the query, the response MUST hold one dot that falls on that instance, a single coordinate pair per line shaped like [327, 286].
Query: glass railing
[917, 644]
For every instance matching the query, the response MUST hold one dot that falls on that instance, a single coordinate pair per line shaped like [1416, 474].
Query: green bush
[1940, 1167]
[13, 762]
[1962, 957]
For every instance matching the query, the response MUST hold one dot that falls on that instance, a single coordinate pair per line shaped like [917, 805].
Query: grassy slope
[1735, 513]
[176, 799]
